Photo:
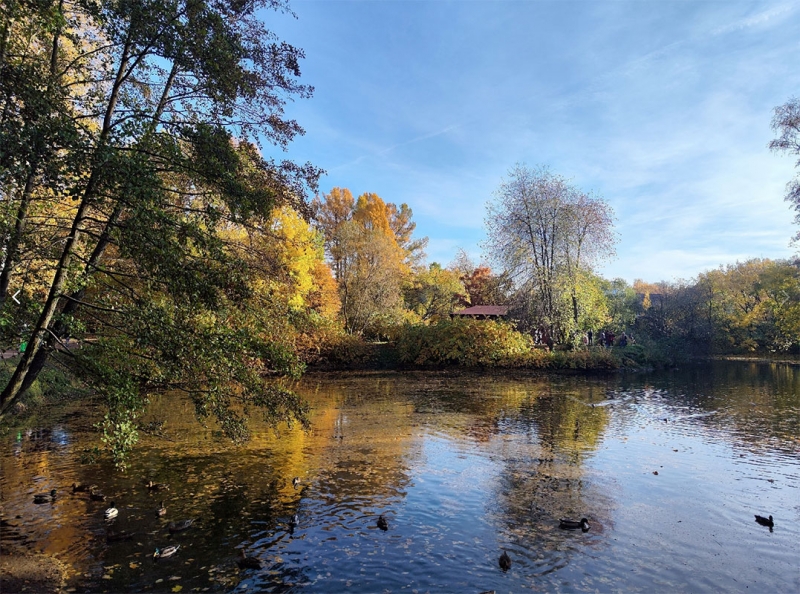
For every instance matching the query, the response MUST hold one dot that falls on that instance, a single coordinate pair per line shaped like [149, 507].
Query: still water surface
[669, 469]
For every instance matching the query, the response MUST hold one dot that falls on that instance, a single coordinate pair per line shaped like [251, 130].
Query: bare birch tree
[546, 233]
[786, 123]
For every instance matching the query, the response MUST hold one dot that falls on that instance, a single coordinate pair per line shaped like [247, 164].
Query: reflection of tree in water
[543, 479]
[355, 459]
[366, 462]
[238, 500]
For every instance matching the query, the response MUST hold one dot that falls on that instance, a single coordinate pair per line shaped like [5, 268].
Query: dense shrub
[463, 342]
[483, 343]
[595, 358]
[346, 350]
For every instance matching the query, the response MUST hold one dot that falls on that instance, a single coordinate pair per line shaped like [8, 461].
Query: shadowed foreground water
[669, 469]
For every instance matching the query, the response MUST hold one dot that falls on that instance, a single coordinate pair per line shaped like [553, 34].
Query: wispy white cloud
[770, 16]
[427, 136]
[385, 151]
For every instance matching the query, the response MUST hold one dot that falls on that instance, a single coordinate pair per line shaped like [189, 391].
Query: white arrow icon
[14, 296]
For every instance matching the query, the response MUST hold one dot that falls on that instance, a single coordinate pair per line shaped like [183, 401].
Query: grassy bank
[55, 384]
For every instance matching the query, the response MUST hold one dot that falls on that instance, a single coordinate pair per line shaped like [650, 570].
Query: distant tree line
[546, 236]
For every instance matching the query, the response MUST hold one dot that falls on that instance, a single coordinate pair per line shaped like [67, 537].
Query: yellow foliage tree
[300, 250]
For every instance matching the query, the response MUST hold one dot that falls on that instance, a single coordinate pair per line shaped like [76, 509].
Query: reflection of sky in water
[692, 524]
[462, 467]
[60, 436]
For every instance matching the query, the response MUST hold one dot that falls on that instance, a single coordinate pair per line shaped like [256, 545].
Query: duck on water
[40, 498]
[504, 561]
[180, 526]
[111, 512]
[166, 552]
[245, 562]
[565, 524]
[765, 521]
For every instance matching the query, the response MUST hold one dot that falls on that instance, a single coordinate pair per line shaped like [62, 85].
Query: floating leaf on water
[177, 588]
[159, 580]
[174, 578]
[106, 576]
[133, 565]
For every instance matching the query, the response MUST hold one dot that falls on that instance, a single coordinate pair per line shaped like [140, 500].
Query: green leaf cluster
[136, 190]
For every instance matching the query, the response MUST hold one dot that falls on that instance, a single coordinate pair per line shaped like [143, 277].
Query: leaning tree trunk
[25, 372]
[13, 390]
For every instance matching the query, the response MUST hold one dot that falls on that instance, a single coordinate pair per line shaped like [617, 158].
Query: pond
[669, 469]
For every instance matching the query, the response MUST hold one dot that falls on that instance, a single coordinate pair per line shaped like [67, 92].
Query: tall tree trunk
[56, 36]
[13, 390]
[60, 330]
[14, 240]
[42, 331]
[5, 34]
[574, 307]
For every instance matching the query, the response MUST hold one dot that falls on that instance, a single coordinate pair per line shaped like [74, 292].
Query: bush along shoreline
[483, 344]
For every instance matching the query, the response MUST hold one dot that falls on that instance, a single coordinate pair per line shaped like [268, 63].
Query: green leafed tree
[133, 134]
[546, 234]
[753, 305]
[622, 304]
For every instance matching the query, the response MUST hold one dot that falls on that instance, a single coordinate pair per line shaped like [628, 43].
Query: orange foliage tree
[483, 287]
[370, 246]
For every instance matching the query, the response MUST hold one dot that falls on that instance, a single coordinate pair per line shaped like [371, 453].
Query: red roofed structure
[482, 312]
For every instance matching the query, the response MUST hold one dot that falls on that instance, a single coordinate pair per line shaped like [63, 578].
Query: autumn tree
[781, 307]
[369, 243]
[331, 212]
[292, 287]
[324, 296]
[483, 287]
[433, 294]
[753, 305]
[547, 234]
[135, 127]
[644, 290]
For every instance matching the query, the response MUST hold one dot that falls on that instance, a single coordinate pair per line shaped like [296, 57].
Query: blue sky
[663, 108]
